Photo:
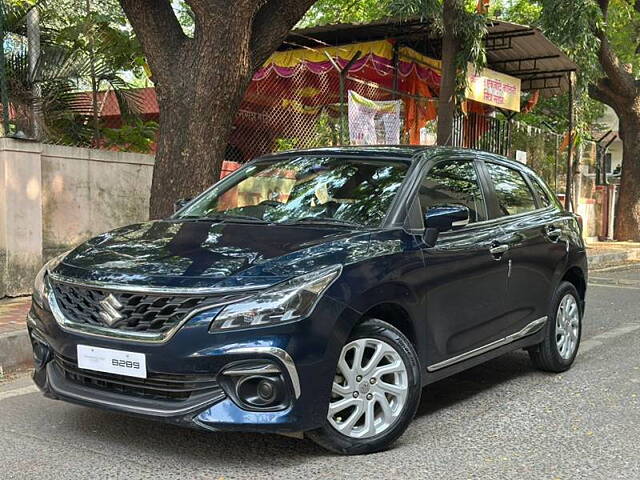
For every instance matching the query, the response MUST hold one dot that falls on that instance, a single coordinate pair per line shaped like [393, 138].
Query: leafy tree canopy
[326, 12]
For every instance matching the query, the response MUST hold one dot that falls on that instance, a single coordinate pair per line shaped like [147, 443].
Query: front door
[465, 283]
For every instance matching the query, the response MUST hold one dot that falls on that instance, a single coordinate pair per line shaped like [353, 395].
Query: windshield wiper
[323, 220]
[223, 217]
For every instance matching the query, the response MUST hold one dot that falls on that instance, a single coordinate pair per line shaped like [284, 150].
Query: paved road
[502, 420]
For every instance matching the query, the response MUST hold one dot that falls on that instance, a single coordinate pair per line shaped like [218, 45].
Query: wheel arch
[394, 314]
[577, 278]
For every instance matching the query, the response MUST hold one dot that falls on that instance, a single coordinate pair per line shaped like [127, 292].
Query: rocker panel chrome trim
[530, 329]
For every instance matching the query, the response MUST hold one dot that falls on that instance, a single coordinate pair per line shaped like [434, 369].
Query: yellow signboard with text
[493, 88]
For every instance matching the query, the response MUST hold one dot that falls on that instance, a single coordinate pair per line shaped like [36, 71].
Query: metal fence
[482, 132]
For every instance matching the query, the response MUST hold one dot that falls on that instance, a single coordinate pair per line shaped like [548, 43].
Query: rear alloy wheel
[375, 392]
[562, 333]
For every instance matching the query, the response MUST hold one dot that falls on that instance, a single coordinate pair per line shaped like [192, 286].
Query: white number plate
[131, 364]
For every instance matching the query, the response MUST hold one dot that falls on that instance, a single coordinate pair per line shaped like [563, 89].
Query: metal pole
[342, 107]
[33, 37]
[555, 165]
[342, 73]
[396, 61]
[568, 188]
[94, 80]
[4, 94]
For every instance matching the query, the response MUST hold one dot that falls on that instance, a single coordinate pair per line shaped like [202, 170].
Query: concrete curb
[15, 349]
[613, 259]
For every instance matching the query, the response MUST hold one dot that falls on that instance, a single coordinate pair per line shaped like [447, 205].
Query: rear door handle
[499, 249]
[553, 233]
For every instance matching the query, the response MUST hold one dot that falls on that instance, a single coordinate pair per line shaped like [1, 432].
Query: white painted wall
[610, 119]
[53, 198]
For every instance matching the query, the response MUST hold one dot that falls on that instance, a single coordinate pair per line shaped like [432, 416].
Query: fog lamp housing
[256, 386]
[41, 351]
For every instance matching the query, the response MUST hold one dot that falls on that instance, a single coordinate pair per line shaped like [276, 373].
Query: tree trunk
[448, 81]
[201, 81]
[197, 110]
[627, 222]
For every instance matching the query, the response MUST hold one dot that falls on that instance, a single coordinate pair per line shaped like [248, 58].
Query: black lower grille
[155, 387]
[128, 311]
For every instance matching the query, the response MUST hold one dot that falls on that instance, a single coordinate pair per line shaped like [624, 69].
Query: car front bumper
[194, 360]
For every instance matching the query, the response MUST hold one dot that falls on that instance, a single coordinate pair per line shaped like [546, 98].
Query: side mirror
[443, 218]
[180, 203]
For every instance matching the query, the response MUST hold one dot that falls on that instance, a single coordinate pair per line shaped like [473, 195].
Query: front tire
[562, 333]
[375, 393]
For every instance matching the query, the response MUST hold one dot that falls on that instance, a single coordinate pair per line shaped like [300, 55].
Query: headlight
[40, 283]
[285, 302]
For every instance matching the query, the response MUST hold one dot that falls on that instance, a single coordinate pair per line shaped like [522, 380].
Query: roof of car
[400, 152]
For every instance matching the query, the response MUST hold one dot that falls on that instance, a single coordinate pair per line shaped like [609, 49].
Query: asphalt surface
[502, 420]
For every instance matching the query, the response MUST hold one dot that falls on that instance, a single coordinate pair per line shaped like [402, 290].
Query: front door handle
[499, 249]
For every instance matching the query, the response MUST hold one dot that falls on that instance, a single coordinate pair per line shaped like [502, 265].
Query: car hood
[200, 254]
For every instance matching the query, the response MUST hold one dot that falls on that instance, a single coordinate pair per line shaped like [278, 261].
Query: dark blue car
[315, 292]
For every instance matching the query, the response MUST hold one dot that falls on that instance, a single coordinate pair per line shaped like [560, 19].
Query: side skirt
[530, 335]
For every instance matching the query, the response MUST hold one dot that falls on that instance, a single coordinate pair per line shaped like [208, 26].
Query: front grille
[128, 311]
[156, 387]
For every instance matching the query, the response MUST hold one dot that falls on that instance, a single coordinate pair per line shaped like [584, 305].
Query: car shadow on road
[472, 382]
[152, 439]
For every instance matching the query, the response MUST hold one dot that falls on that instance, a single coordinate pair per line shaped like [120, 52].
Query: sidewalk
[612, 254]
[15, 348]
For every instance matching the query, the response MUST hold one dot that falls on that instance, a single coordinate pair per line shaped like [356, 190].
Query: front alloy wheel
[369, 390]
[375, 391]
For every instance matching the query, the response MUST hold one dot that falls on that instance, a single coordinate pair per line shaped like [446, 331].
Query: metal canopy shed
[517, 50]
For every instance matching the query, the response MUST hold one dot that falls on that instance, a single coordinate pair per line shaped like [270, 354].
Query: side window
[512, 192]
[453, 183]
[542, 195]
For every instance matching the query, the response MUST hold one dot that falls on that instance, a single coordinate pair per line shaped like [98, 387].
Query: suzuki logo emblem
[110, 306]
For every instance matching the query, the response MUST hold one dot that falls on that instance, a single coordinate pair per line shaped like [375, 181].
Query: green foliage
[284, 144]
[470, 28]
[568, 25]
[327, 130]
[102, 32]
[138, 137]
[623, 32]
[79, 49]
[327, 12]
[571, 26]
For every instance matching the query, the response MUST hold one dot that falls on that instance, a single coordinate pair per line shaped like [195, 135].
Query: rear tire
[378, 381]
[563, 330]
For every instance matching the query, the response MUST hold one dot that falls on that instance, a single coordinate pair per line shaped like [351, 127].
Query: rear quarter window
[545, 201]
[512, 192]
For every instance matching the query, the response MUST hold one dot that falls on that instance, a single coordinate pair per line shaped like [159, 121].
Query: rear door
[533, 242]
[465, 283]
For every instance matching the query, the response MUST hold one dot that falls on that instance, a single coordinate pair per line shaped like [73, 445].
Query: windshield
[300, 189]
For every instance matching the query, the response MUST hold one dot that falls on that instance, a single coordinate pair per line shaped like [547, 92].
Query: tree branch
[622, 80]
[603, 92]
[272, 23]
[158, 30]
